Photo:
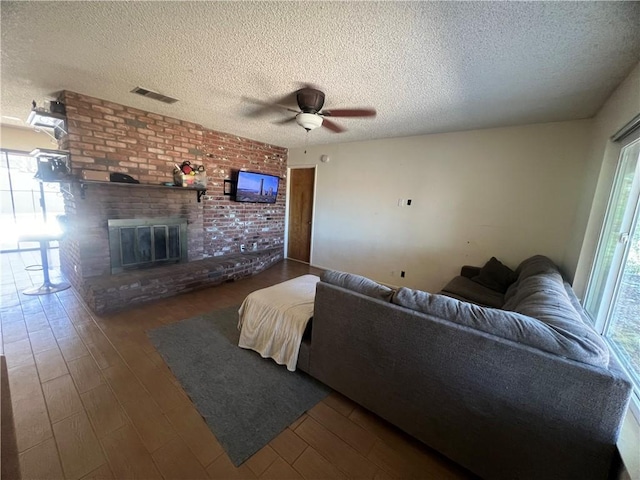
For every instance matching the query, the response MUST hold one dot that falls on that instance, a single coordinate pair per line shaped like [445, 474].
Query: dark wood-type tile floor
[92, 398]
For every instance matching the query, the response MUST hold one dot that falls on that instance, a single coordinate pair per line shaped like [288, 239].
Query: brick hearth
[105, 136]
[112, 292]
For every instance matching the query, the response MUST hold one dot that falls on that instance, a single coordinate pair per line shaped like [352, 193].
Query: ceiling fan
[310, 115]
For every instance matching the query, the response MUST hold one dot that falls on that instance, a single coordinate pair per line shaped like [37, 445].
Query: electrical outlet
[242, 248]
[402, 273]
[408, 202]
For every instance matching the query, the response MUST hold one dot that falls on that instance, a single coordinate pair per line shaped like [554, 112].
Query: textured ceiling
[425, 66]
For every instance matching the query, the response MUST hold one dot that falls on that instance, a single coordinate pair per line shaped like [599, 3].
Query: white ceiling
[425, 66]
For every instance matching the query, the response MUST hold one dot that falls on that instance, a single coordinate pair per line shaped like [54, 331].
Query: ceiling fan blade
[350, 112]
[266, 107]
[284, 121]
[334, 127]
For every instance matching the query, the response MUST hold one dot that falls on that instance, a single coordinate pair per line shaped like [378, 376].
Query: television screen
[256, 187]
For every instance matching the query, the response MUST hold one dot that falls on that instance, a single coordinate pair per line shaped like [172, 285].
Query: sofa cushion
[552, 337]
[525, 286]
[465, 289]
[359, 284]
[538, 264]
[495, 275]
[545, 298]
[535, 266]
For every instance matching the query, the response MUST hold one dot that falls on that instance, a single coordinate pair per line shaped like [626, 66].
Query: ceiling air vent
[154, 95]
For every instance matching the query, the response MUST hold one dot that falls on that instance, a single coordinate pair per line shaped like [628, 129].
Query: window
[613, 293]
[25, 203]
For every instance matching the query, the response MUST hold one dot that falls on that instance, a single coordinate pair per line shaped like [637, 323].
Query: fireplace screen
[143, 243]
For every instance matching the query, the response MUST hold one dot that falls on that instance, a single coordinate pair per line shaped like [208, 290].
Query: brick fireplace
[138, 243]
[110, 137]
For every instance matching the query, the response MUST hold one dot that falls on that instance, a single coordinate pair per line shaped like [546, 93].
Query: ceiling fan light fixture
[309, 121]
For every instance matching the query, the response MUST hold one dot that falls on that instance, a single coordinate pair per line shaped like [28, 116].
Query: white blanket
[272, 320]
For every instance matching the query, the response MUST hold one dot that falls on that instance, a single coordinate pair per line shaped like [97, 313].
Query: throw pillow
[495, 275]
[359, 284]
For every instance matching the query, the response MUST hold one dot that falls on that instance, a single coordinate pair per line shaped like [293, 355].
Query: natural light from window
[21, 211]
[613, 293]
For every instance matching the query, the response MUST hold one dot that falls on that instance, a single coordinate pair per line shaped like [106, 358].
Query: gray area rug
[245, 399]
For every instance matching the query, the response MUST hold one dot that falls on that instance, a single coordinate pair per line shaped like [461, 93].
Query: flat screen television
[256, 187]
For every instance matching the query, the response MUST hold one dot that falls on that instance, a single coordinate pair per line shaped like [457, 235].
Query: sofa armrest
[469, 271]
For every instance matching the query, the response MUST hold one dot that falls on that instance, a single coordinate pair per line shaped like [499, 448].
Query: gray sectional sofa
[521, 389]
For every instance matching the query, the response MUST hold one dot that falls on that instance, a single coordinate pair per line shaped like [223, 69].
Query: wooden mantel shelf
[84, 184]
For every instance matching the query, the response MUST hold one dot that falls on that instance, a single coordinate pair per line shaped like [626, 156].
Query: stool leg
[47, 287]
[44, 245]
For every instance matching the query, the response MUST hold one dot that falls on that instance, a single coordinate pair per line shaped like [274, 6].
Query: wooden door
[300, 213]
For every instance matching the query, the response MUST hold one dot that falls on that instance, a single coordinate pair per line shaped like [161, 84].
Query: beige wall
[509, 192]
[622, 106]
[24, 139]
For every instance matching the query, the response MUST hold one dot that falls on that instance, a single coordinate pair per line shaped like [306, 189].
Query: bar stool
[47, 287]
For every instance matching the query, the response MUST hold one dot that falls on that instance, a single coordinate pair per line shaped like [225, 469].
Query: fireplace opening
[146, 242]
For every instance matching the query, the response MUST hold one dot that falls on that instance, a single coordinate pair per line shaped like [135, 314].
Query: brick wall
[110, 137]
[89, 229]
